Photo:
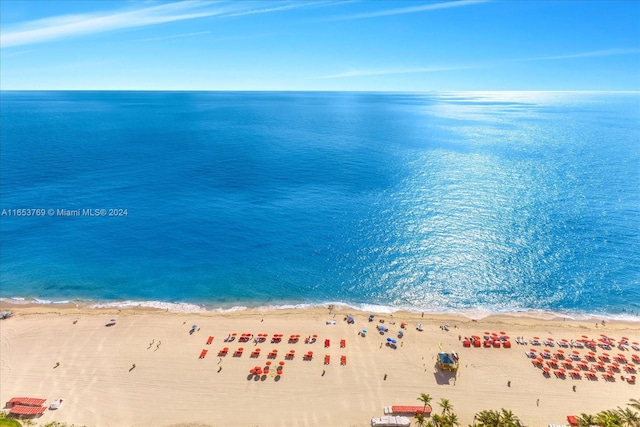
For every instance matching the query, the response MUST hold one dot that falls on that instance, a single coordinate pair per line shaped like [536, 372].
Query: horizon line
[329, 90]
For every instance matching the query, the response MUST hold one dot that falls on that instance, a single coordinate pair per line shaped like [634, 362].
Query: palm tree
[420, 420]
[438, 421]
[508, 419]
[628, 417]
[425, 398]
[446, 406]
[608, 419]
[586, 420]
[634, 403]
[452, 420]
[487, 418]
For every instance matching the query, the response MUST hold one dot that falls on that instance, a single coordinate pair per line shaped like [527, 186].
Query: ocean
[438, 202]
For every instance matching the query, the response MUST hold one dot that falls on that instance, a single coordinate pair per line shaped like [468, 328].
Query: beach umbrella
[561, 351]
[546, 350]
[364, 331]
[536, 338]
[605, 354]
[281, 363]
[533, 350]
[268, 363]
[502, 332]
[549, 339]
[575, 352]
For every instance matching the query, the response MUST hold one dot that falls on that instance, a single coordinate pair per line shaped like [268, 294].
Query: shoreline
[185, 307]
[169, 385]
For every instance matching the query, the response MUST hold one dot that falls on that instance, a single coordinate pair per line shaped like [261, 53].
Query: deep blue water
[443, 201]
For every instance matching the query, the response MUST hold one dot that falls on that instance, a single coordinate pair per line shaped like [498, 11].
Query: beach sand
[171, 386]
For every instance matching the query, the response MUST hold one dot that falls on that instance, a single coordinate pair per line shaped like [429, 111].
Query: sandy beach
[171, 385]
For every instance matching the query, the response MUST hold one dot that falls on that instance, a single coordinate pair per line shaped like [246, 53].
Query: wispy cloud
[49, 29]
[73, 25]
[479, 65]
[288, 6]
[595, 53]
[409, 9]
[15, 53]
[173, 36]
[394, 71]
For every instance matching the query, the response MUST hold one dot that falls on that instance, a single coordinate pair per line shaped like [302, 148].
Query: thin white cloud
[54, 28]
[275, 9]
[173, 36]
[488, 64]
[595, 53]
[73, 25]
[409, 9]
[393, 71]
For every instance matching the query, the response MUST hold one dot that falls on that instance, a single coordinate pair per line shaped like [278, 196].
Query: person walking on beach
[538, 402]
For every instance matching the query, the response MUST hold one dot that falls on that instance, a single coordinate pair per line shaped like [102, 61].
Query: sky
[331, 45]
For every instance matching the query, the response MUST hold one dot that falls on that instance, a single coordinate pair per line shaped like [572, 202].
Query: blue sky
[320, 45]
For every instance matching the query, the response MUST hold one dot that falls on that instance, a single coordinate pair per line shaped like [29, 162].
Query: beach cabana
[22, 410]
[25, 401]
[447, 362]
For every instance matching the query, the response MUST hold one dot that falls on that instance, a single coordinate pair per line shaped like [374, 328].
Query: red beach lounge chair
[343, 360]
[327, 359]
[343, 343]
[327, 343]
[210, 340]
[203, 353]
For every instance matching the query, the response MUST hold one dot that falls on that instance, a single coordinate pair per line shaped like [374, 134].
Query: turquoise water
[435, 202]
